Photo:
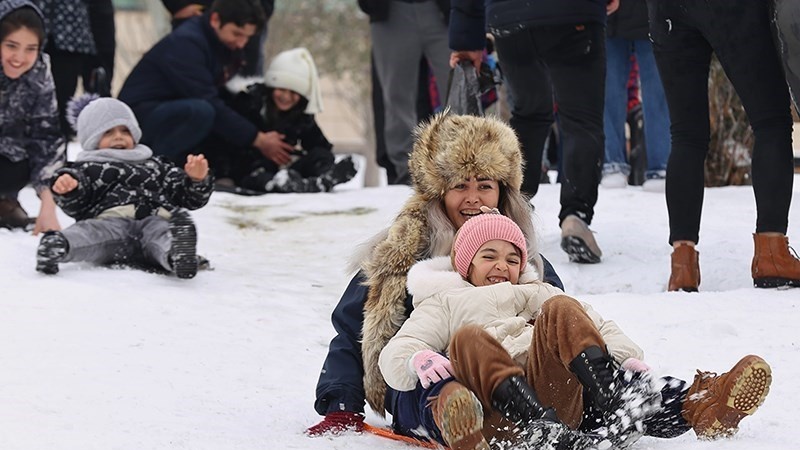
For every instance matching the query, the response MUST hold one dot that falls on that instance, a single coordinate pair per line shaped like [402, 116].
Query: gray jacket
[29, 117]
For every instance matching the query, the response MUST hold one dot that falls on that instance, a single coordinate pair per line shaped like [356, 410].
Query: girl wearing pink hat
[523, 356]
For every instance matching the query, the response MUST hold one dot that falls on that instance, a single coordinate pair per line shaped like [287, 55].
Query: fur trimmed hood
[449, 149]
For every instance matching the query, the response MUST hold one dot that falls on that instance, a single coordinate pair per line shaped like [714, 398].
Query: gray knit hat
[101, 115]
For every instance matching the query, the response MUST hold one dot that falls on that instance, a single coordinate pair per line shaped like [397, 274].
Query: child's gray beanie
[101, 115]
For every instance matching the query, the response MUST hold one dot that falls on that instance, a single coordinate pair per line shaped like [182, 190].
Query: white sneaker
[657, 185]
[614, 180]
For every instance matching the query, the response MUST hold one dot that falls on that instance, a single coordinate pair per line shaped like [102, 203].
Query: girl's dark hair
[22, 17]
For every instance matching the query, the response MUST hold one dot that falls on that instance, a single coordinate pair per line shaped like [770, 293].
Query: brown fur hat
[448, 150]
[451, 149]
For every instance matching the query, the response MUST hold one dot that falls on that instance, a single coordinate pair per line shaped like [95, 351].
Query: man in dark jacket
[174, 89]
[549, 50]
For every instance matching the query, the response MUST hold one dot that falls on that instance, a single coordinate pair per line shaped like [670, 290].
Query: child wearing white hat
[283, 105]
[128, 205]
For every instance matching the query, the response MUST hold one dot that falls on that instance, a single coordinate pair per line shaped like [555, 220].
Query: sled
[389, 434]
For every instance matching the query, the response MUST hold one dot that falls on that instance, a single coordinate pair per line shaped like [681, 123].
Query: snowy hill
[99, 358]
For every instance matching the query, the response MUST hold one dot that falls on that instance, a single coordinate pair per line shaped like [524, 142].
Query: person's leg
[576, 59]
[396, 52]
[176, 127]
[618, 66]
[748, 56]
[155, 241]
[765, 97]
[13, 177]
[528, 83]
[66, 68]
[683, 57]
[434, 37]
[654, 108]
[100, 241]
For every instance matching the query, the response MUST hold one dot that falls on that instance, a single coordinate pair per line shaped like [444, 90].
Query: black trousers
[13, 176]
[684, 35]
[565, 64]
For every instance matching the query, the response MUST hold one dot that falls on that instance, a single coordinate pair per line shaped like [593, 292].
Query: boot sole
[184, 245]
[578, 251]
[747, 393]
[775, 282]
[462, 421]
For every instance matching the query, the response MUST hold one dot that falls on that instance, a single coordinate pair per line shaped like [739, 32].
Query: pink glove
[431, 367]
[635, 365]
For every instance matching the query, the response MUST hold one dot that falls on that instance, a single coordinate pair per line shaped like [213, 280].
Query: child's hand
[431, 367]
[64, 184]
[196, 167]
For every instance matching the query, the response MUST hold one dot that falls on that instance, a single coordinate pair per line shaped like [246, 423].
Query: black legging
[684, 34]
[13, 176]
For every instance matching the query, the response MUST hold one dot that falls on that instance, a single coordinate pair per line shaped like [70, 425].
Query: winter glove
[337, 422]
[431, 367]
[635, 365]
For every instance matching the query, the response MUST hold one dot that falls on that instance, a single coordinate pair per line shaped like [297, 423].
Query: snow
[101, 358]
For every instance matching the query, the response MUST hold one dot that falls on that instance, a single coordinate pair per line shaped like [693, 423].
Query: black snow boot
[53, 247]
[343, 171]
[539, 426]
[624, 401]
[183, 250]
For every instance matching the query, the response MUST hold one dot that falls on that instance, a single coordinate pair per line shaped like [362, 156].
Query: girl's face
[119, 138]
[285, 99]
[495, 262]
[465, 199]
[18, 52]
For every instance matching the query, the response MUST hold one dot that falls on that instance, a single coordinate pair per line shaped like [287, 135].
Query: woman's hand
[272, 146]
[196, 167]
[47, 220]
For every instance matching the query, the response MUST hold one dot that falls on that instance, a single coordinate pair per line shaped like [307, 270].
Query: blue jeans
[175, 127]
[654, 106]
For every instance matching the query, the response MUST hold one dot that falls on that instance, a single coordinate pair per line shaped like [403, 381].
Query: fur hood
[449, 149]
[432, 276]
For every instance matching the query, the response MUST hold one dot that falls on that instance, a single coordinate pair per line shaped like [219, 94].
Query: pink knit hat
[481, 229]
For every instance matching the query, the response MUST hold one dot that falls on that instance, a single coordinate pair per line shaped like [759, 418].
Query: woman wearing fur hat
[458, 165]
[125, 202]
[283, 106]
[489, 343]
[30, 139]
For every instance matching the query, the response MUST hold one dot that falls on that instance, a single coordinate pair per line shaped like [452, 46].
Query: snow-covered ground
[99, 358]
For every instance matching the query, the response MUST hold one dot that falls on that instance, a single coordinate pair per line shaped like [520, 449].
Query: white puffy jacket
[444, 302]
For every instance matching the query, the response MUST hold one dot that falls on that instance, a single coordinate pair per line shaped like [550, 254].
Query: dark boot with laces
[12, 215]
[539, 426]
[53, 248]
[183, 250]
[624, 401]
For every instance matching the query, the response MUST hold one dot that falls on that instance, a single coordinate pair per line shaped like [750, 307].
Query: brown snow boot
[773, 265]
[715, 404]
[12, 215]
[459, 416]
[685, 275]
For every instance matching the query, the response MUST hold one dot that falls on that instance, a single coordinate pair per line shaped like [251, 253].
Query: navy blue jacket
[341, 381]
[190, 62]
[470, 19]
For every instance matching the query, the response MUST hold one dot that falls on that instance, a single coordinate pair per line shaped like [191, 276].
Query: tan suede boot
[459, 416]
[12, 215]
[685, 273]
[715, 404]
[773, 265]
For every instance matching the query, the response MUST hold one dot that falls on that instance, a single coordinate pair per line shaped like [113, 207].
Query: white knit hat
[101, 115]
[295, 70]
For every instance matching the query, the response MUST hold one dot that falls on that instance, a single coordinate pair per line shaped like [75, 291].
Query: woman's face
[18, 52]
[497, 261]
[285, 99]
[465, 199]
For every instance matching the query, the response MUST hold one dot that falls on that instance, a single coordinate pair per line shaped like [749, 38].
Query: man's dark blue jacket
[190, 62]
